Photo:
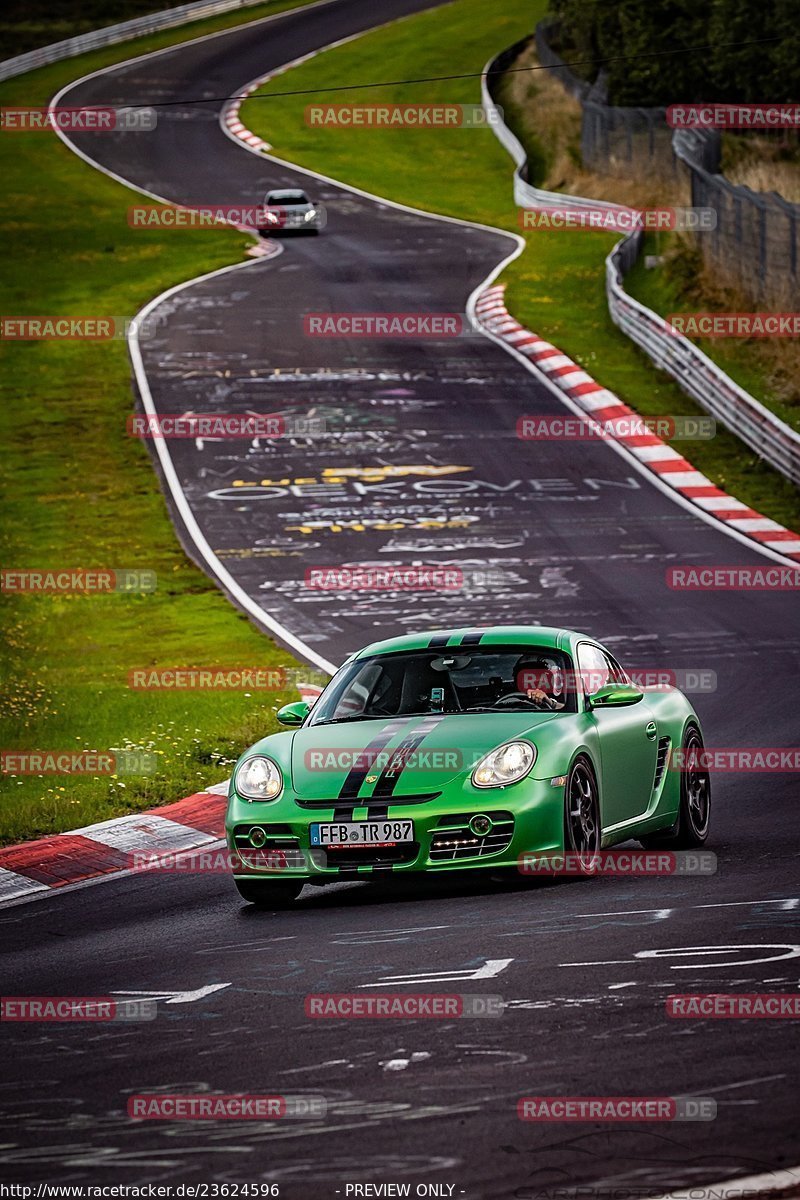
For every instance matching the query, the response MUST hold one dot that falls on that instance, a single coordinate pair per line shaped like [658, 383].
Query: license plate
[362, 833]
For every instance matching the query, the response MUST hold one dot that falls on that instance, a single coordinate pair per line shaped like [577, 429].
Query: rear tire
[269, 895]
[694, 813]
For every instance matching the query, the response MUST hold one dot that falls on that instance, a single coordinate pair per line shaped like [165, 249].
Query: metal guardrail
[122, 32]
[771, 439]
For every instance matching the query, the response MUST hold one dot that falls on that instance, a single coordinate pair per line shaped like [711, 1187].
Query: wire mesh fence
[754, 246]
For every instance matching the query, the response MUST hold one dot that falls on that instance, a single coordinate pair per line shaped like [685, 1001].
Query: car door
[628, 738]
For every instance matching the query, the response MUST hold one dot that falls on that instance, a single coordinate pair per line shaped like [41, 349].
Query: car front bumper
[527, 817]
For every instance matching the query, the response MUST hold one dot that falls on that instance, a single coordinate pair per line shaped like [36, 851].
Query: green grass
[557, 286]
[78, 492]
[37, 24]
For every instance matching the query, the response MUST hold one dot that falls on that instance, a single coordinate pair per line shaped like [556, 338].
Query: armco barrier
[121, 32]
[770, 438]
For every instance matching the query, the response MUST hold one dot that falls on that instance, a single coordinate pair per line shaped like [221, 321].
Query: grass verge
[557, 286]
[78, 492]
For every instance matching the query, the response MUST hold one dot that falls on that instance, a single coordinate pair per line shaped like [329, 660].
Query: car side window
[618, 675]
[594, 668]
[356, 695]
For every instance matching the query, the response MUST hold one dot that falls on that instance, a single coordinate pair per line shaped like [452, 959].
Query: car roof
[546, 636]
[282, 193]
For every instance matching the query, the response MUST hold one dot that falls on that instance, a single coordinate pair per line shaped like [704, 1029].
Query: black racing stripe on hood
[437, 642]
[472, 639]
[397, 763]
[356, 775]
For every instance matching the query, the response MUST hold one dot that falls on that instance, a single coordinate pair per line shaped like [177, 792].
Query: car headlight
[258, 778]
[309, 216]
[506, 764]
[273, 218]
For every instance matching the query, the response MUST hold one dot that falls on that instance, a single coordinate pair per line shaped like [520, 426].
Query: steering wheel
[517, 696]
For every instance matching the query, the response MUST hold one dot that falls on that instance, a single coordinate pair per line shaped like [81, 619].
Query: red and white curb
[106, 849]
[654, 453]
[230, 119]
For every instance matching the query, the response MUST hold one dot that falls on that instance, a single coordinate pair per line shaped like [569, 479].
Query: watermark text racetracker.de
[626, 1109]
[401, 116]
[713, 578]
[586, 429]
[158, 1106]
[734, 324]
[736, 759]
[620, 862]
[209, 215]
[617, 219]
[78, 580]
[72, 1009]
[401, 1005]
[734, 1005]
[74, 328]
[220, 425]
[213, 678]
[78, 120]
[77, 762]
[403, 578]
[733, 116]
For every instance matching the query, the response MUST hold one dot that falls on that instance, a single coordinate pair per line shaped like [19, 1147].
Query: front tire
[269, 895]
[694, 812]
[582, 832]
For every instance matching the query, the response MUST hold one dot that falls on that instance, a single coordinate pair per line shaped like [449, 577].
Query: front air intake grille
[453, 839]
[661, 760]
[279, 850]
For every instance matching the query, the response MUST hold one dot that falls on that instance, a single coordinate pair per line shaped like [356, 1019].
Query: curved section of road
[421, 464]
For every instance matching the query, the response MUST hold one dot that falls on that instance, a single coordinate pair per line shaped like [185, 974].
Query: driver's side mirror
[293, 714]
[614, 695]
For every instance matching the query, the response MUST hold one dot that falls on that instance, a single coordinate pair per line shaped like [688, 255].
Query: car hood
[437, 749]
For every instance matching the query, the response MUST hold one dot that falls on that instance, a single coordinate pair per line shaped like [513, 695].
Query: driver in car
[541, 682]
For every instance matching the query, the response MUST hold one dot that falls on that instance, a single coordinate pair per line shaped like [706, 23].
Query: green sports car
[459, 749]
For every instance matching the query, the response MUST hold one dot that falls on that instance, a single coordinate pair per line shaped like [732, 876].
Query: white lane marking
[787, 902]
[491, 968]
[740, 1185]
[793, 951]
[176, 997]
[369, 937]
[730, 1087]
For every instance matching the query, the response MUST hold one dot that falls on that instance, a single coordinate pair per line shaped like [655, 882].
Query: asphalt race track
[582, 539]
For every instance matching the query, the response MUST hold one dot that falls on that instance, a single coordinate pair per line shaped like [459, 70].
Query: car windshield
[494, 679]
[287, 198]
